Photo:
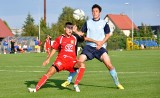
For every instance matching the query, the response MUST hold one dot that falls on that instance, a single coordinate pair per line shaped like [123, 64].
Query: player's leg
[69, 79]
[106, 60]
[4, 49]
[48, 52]
[81, 71]
[71, 76]
[52, 70]
[72, 73]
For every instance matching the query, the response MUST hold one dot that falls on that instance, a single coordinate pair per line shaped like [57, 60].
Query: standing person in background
[5, 47]
[12, 46]
[36, 45]
[97, 30]
[48, 45]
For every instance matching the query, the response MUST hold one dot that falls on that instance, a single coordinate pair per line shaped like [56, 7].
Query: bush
[117, 41]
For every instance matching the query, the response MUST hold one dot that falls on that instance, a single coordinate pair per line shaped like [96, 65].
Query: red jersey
[48, 45]
[66, 46]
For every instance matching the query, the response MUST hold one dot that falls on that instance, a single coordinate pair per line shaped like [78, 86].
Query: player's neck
[66, 35]
[96, 19]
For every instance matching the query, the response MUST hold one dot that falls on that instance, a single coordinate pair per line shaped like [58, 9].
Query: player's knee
[109, 66]
[51, 71]
[79, 65]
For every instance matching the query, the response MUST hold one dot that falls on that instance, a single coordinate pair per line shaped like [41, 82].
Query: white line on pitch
[20, 66]
[86, 71]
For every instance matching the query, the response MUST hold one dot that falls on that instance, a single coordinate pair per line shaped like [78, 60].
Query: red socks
[79, 76]
[41, 82]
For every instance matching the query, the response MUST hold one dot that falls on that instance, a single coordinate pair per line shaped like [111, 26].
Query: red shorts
[65, 64]
[47, 48]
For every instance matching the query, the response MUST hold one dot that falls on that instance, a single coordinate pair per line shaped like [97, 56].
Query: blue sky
[16, 11]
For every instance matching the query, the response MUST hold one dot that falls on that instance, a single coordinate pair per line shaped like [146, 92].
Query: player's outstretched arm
[90, 40]
[76, 31]
[49, 57]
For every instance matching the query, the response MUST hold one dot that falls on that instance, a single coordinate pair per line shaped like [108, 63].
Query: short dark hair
[97, 6]
[68, 23]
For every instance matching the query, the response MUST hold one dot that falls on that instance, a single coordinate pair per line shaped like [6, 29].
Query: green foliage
[67, 15]
[117, 40]
[44, 31]
[29, 28]
[145, 31]
[158, 37]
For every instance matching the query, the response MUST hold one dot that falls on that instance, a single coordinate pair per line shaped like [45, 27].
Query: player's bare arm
[91, 40]
[100, 43]
[49, 57]
[77, 32]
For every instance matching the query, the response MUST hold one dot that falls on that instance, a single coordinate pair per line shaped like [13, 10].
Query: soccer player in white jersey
[97, 30]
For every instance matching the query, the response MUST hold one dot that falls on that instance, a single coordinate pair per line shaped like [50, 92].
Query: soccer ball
[78, 14]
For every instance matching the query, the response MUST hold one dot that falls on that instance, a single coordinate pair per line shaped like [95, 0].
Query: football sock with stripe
[113, 73]
[79, 76]
[71, 76]
[41, 82]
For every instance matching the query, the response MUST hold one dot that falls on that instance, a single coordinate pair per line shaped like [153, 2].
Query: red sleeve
[56, 43]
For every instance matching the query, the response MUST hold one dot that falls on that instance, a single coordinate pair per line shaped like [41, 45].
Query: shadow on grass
[57, 84]
[49, 84]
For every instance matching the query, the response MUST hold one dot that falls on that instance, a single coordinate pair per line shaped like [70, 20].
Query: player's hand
[74, 28]
[46, 62]
[76, 31]
[99, 44]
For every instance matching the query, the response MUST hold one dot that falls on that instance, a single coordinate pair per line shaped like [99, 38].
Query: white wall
[111, 25]
[126, 32]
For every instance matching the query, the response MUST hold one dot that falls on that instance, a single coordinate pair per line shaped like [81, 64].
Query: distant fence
[141, 43]
[28, 40]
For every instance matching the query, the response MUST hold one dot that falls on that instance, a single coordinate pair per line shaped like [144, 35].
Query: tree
[29, 28]
[117, 40]
[67, 15]
[145, 31]
[44, 31]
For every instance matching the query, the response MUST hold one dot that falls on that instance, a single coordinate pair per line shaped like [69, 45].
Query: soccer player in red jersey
[66, 58]
[48, 45]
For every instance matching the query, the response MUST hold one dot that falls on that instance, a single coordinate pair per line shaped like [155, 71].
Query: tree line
[116, 41]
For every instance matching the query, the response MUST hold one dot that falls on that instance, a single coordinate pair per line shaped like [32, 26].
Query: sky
[14, 12]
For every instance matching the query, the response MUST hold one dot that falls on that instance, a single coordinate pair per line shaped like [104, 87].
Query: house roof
[4, 30]
[121, 21]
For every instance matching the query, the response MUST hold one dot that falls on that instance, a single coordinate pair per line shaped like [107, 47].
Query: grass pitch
[138, 72]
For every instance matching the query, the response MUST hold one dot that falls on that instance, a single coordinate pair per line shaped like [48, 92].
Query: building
[121, 22]
[16, 31]
[4, 30]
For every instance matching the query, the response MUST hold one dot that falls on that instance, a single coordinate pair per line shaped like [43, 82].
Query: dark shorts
[92, 52]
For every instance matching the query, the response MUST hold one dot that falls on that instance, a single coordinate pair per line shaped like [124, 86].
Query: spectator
[12, 46]
[25, 47]
[18, 48]
[36, 45]
[5, 47]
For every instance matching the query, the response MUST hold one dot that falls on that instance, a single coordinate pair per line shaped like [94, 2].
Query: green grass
[138, 71]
